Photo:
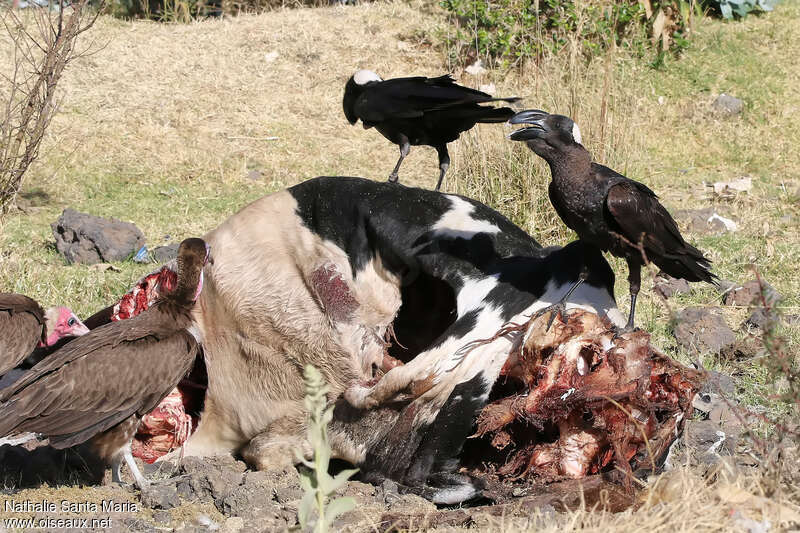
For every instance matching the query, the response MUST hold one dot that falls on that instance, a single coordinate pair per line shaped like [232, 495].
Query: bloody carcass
[579, 398]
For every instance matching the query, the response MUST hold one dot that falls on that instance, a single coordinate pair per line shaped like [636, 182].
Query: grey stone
[163, 496]
[88, 239]
[761, 319]
[288, 494]
[159, 470]
[720, 383]
[255, 494]
[727, 104]
[164, 254]
[708, 439]
[750, 293]
[701, 221]
[703, 330]
[210, 477]
[667, 286]
[162, 517]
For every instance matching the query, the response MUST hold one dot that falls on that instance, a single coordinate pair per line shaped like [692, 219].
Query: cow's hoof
[359, 396]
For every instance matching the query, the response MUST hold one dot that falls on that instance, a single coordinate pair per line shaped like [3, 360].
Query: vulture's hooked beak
[208, 258]
[534, 122]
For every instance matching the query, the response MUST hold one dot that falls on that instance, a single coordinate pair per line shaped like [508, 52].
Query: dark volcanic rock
[210, 477]
[255, 494]
[708, 439]
[164, 254]
[750, 294]
[667, 286]
[88, 239]
[761, 319]
[703, 330]
[161, 496]
[720, 383]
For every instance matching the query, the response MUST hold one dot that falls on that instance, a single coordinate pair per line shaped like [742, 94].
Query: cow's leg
[278, 447]
[394, 381]
[420, 449]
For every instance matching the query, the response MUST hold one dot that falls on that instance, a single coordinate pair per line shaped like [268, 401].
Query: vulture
[607, 210]
[100, 385]
[419, 111]
[25, 326]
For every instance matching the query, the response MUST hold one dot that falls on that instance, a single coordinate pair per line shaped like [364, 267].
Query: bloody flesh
[585, 400]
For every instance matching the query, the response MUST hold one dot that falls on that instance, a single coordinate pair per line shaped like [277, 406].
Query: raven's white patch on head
[576, 133]
[363, 77]
[458, 221]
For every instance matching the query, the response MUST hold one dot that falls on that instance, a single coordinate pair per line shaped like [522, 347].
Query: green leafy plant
[739, 8]
[317, 484]
[513, 31]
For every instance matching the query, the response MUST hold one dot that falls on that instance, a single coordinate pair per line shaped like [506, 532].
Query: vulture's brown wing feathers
[21, 328]
[96, 381]
[637, 215]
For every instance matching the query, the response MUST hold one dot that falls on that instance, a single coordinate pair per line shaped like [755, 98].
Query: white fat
[576, 133]
[473, 293]
[571, 390]
[458, 221]
[581, 365]
[362, 77]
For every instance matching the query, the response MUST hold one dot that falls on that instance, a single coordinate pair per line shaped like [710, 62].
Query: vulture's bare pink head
[61, 322]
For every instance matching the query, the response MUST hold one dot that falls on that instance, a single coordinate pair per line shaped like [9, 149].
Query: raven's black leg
[560, 307]
[404, 149]
[635, 281]
[444, 163]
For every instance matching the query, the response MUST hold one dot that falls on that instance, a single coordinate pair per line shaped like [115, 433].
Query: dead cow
[321, 273]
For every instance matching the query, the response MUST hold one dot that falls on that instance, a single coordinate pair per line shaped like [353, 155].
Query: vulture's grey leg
[116, 470]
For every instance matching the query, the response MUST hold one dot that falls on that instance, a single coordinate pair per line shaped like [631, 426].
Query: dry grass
[686, 500]
[162, 125]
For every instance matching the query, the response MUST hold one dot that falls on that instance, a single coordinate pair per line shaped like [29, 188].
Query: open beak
[533, 119]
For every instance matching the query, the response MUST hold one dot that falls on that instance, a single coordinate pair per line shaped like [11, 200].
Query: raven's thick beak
[533, 119]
